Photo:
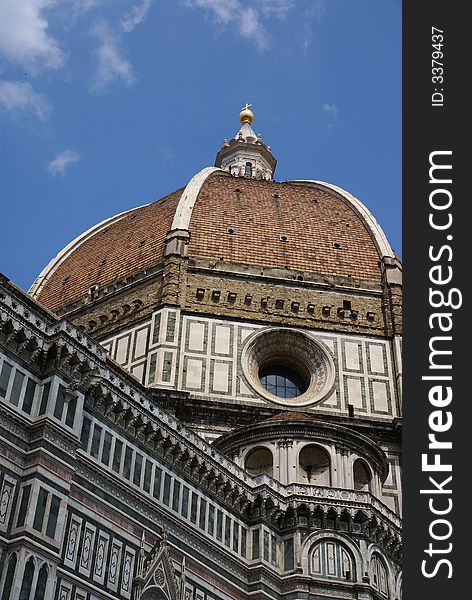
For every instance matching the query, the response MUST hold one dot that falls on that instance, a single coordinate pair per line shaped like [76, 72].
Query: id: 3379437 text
[437, 66]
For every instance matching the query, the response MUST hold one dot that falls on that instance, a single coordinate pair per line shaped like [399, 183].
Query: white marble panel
[122, 350]
[222, 339]
[376, 355]
[354, 392]
[140, 343]
[244, 389]
[194, 374]
[380, 396]
[352, 356]
[138, 371]
[196, 337]
[220, 376]
[327, 342]
[244, 333]
[331, 401]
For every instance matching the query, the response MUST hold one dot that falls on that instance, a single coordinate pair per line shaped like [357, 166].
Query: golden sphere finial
[246, 115]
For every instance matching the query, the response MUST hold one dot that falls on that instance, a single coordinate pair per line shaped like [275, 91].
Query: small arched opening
[362, 476]
[27, 580]
[314, 463]
[378, 575]
[42, 583]
[258, 461]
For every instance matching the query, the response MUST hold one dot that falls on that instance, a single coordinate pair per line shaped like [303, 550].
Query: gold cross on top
[247, 107]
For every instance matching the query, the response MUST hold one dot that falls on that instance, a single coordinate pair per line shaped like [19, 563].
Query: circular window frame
[299, 351]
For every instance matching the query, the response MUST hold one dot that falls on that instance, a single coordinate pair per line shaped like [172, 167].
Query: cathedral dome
[309, 227]
[226, 359]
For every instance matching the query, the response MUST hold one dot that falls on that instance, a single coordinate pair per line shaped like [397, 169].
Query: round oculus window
[282, 381]
[287, 366]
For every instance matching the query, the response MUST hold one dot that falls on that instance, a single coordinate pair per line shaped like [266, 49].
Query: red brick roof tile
[264, 213]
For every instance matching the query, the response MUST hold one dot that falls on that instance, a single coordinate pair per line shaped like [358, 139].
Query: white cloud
[83, 6]
[223, 11]
[277, 8]
[249, 18]
[331, 108]
[60, 163]
[251, 27]
[136, 16]
[18, 98]
[24, 38]
[245, 18]
[315, 11]
[112, 66]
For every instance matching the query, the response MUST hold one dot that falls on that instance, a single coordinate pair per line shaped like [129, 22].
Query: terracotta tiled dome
[302, 226]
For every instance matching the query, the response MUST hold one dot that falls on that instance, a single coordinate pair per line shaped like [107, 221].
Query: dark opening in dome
[282, 381]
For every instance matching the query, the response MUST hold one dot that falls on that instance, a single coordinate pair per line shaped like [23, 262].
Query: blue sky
[110, 104]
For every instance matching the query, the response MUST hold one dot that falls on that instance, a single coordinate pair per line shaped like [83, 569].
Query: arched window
[314, 465]
[27, 580]
[362, 478]
[248, 170]
[9, 578]
[42, 582]
[378, 575]
[331, 559]
[259, 460]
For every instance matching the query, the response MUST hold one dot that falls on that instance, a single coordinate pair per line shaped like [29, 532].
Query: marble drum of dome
[288, 367]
